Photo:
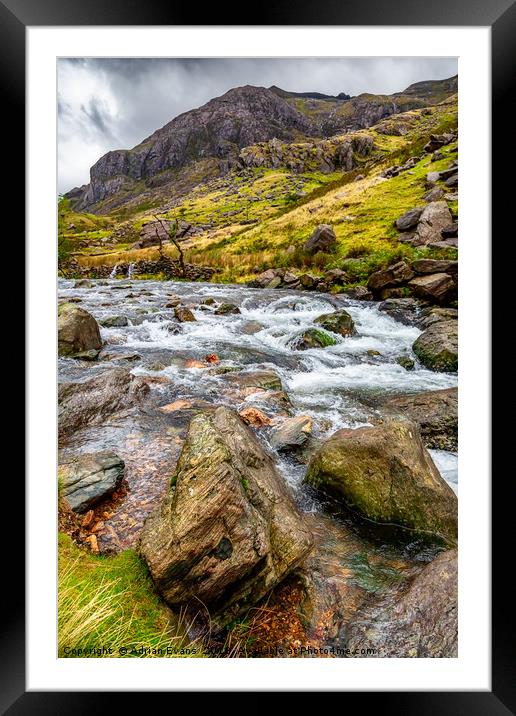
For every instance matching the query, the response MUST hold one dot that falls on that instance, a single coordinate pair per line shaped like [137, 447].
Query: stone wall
[171, 269]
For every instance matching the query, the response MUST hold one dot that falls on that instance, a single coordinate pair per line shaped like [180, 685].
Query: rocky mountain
[207, 141]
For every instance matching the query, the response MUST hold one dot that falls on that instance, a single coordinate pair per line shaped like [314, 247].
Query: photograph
[257, 352]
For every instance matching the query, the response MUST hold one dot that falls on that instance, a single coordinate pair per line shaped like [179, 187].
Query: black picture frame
[500, 16]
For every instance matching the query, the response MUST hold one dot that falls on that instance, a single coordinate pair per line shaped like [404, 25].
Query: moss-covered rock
[386, 474]
[338, 322]
[437, 347]
[312, 338]
[405, 362]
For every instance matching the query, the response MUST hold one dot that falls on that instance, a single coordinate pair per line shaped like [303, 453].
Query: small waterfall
[130, 270]
[113, 272]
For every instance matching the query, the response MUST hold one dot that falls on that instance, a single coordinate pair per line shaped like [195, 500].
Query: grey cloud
[113, 103]
[96, 114]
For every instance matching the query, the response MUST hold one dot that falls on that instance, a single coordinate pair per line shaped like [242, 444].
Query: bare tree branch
[171, 233]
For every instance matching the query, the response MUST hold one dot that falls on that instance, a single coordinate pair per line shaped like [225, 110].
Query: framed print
[246, 419]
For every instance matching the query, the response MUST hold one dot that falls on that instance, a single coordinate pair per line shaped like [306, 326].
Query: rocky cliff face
[243, 117]
[220, 128]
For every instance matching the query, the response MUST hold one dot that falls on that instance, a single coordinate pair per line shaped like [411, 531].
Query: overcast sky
[106, 104]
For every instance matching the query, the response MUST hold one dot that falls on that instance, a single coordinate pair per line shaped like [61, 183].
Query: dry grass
[110, 602]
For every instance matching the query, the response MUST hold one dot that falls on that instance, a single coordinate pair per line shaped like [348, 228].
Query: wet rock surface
[419, 622]
[97, 399]
[435, 412]
[228, 531]
[437, 346]
[86, 479]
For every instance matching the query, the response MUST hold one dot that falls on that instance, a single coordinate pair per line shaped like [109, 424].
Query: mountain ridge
[211, 137]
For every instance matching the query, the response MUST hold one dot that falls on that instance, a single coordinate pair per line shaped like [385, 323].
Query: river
[332, 384]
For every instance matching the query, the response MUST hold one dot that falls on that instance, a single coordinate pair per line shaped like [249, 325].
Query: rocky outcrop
[86, 479]
[437, 141]
[155, 232]
[327, 155]
[77, 330]
[421, 622]
[220, 128]
[322, 239]
[435, 412]
[93, 401]
[437, 346]
[228, 530]
[385, 474]
[337, 322]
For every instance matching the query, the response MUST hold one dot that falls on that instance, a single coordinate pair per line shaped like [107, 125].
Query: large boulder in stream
[337, 322]
[435, 412]
[385, 474]
[437, 347]
[93, 401]
[86, 479]
[228, 530]
[77, 330]
[421, 622]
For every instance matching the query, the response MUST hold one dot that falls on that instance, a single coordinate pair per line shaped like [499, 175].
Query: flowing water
[332, 385]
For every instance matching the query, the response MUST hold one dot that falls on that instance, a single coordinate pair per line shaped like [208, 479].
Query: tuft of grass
[107, 603]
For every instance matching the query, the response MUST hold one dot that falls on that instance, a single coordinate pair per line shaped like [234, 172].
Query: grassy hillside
[252, 219]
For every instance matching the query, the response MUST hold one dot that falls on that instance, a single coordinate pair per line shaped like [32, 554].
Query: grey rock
[437, 347]
[292, 433]
[88, 478]
[322, 239]
[95, 400]
[226, 308]
[435, 217]
[409, 219]
[114, 322]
